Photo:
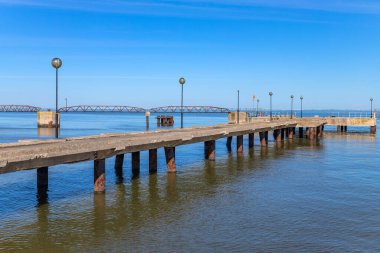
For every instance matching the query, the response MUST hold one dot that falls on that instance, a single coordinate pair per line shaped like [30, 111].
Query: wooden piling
[300, 132]
[152, 161]
[210, 150]
[229, 142]
[263, 139]
[42, 184]
[311, 133]
[119, 161]
[170, 159]
[251, 138]
[136, 163]
[239, 145]
[290, 133]
[100, 175]
[277, 135]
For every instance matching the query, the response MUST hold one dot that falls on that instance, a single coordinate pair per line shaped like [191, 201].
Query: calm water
[294, 197]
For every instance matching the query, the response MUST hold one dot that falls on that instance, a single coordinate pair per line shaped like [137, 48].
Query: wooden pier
[40, 155]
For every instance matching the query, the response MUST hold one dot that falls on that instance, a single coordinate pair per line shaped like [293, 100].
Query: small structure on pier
[235, 117]
[47, 119]
[164, 120]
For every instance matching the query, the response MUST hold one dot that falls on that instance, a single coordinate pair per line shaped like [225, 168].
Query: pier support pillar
[210, 150]
[373, 129]
[170, 159]
[119, 161]
[300, 132]
[345, 129]
[229, 143]
[277, 135]
[239, 145]
[282, 134]
[342, 128]
[100, 175]
[317, 131]
[135, 163]
[152, 161]
[263, 139]
[290, 133]
[42, 184]
[311, 133]
[251, 138]
[338, 129]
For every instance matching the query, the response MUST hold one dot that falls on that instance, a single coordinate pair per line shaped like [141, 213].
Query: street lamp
[270, 94]
[301, 104]
[253, 108]
[56, 63]
[257, 107]
[66, 104]
[371, 107]
[238, 107]
[182, 81]
[291, 106]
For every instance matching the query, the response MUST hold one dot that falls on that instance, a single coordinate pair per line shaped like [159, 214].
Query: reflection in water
[99, 218]
[42, 195]
[264, 152]
[233, 204]
[171, 186]
[47, 132]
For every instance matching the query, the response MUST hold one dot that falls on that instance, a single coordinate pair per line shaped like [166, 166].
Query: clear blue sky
[133, 52]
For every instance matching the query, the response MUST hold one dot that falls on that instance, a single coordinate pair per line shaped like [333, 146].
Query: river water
[295, 197]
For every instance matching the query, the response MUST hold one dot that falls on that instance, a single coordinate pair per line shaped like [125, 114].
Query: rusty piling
[210, 150]
[170, 159]
[99, 175]
[152, 161]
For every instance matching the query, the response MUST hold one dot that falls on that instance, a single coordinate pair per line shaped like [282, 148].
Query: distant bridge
[118, 108]
[101, 108]
[190, 109]
[19, 108]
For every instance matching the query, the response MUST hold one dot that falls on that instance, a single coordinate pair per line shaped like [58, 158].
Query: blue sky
[133, 52]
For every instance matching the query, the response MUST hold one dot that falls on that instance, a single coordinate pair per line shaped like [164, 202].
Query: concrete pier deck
[40, 155]
[31, 154]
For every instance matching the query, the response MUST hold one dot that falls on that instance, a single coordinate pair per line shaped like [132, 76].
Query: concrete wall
[47, 119]
[341, 121]
[232, 117]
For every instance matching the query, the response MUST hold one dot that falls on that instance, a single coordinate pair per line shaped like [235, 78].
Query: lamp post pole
[253, 108]
[238, 107]
[182, 81]
[270, 95]
[257, 107]
[301, 105]
[371, 107]
[291, 106]
[56, 63]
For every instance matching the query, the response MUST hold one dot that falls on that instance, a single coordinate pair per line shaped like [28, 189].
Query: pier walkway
[39, 155]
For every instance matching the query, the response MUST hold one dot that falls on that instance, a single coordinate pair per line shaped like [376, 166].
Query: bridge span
[19, 108]
[189, 109]
[101, 108]
[132, 109]
[119, 108]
